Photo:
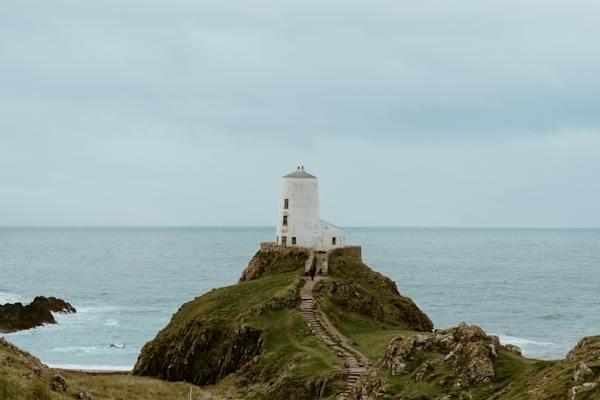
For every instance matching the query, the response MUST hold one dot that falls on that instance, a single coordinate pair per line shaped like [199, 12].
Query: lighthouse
[300, 222]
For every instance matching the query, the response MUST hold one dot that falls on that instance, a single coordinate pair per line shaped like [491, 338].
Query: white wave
[93, 367]
[111, 322]
[522, 342]
[88, 350]
[97, 309]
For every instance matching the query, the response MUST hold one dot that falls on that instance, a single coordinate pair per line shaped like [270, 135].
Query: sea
[536, 288]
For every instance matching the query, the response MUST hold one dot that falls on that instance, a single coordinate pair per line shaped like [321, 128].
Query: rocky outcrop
[582, 372]
[369, 389]
[16, 317]
[273, 260]
[584, 387]
[200, 352]
[468, 351]
[59, 384]
[587, 348]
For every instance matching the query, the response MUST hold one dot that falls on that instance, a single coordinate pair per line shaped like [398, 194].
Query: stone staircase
[355, 363]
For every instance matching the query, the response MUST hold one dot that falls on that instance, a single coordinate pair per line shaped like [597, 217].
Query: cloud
[130, 112]
[390, 71]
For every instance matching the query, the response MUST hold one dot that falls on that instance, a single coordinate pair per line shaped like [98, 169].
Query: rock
[493, 350]
[200, 352]
[59, 384]
[54, 304]
[398, 352]
[512, 348]
[586, 387]
[422, 371]
[276, 260]
[371, 389]
[587, 348]
[473, 364]
[16, 317]
[581, 372]
[469, 350]
[83, 395]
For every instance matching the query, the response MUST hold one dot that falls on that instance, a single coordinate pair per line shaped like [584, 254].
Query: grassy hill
[254, 329]
[249, 341]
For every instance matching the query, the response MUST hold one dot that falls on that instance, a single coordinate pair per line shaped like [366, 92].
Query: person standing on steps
[312, 271]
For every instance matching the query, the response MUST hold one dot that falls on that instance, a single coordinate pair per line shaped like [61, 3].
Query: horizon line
[273, 227]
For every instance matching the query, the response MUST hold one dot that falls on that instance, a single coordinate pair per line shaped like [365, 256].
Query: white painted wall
[303, 215]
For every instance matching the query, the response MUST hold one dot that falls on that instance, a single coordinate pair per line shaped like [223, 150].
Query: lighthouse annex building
[300, 222]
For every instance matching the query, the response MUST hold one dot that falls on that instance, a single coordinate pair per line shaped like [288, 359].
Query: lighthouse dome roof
[300, 173]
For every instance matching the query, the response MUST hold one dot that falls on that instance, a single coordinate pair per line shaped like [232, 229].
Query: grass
[230, 302]
[19, 381]
[129, 387]
[291, 350]
[292, 357]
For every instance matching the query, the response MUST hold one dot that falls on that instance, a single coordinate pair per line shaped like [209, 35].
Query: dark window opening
[286, 204]
[293, 239]
[284, 240]
[285, 220]
[333, 240]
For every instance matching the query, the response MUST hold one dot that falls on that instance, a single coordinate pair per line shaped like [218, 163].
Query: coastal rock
[581, 372]
[275, 260]
[200, 352]
[466, 347]
[16, 317]
[397, 354]
[54, 304]
[83, 395]
[59, 384]
[512, 348]
[369, 389]
[422, 371]
[587, 348]
[585, 387]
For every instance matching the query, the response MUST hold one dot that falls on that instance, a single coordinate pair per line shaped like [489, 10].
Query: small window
[333, 241]
[284, 240]
[285, 220]
[293, 239]
[286, 204]
[277, 240]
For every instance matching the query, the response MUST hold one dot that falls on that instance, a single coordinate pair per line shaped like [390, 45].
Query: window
[293, 239]
[286, 204]
[333, 241]
[277, 240]
[285, 220]
[284, 240]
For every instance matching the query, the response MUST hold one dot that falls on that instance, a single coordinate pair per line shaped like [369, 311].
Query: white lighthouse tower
[300, 222]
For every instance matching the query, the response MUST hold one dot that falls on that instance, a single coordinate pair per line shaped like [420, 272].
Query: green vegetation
[253, 329]
[366, 306]
[249, 341]
[23, 377]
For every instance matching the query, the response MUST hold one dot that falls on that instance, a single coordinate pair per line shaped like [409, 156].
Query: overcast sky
[428, 113]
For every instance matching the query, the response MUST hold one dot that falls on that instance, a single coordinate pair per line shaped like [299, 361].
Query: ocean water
[536, 288]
